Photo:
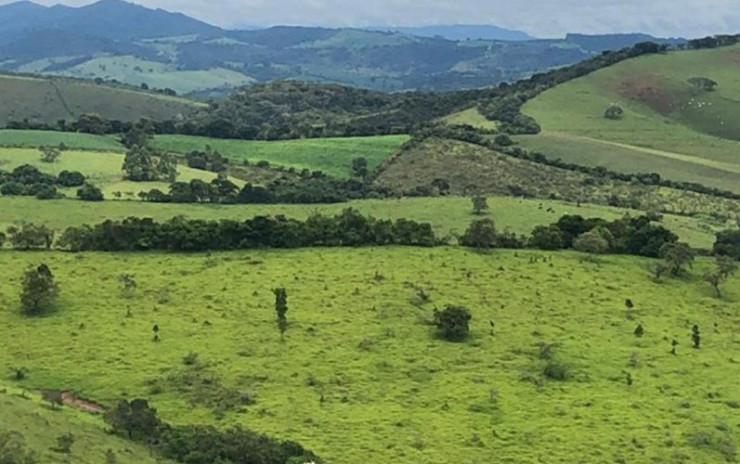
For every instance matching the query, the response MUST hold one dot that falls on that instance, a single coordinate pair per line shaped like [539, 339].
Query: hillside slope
[39, 426]
[359, 354]
[49, 100]
[670, 126]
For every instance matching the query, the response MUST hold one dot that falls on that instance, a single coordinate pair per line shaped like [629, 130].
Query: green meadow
[73, 140]
[668, 127]
[332, 155]
[360, 374]
[102, 169]
[448, 215]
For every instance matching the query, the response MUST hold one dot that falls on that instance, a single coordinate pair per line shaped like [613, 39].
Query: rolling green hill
[39, 425]
[48, 100]
[669, 126]
[359, 354]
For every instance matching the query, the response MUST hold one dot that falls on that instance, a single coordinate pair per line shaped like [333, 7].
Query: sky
[541, 18]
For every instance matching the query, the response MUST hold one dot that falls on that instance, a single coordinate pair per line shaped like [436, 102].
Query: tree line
[349, 228]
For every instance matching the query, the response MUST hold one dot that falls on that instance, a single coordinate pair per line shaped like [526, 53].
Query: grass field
[668, 127]
[333, 156]
[51, 99]
[471, 117]
[25, 413]
[519, 216]
[102, 169]
[360, 374]
[75, 140]
[135, 71]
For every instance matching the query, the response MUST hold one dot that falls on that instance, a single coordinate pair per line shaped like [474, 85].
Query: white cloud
[548, 18]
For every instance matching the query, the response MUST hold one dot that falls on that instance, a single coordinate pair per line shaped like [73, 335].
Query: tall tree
[39, 290]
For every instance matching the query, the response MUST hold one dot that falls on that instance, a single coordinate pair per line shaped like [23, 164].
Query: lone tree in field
[281, 307]
[134, 420]
[453, 323]
[50, 154]
[614, 112]
[39, 290]
[54, 397]
[696, 336]
[677, 256]
[725, 267]
[480, 204]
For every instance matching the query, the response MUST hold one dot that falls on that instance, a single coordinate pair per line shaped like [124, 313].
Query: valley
[312, 260]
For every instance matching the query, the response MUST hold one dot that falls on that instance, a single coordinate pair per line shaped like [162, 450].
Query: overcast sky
[543, 18]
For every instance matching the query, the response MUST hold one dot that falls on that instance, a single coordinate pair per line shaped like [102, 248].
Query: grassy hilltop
[669, 126]
[50, 99]
[359, 356]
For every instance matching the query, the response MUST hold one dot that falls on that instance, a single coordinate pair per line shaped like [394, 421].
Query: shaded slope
[51, 99]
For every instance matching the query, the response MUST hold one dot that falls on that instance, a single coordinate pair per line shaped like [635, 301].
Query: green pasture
[332, 155]
[360, 374]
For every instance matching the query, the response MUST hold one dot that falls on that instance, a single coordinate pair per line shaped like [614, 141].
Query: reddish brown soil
[648, 89]
[72, 400]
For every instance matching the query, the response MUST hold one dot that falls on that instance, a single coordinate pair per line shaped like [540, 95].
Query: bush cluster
[310, 188]
[136, 420]
[633, 236]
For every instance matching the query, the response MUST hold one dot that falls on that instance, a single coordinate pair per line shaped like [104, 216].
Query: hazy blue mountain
[110, 19]
[461, 32]
[117, 40]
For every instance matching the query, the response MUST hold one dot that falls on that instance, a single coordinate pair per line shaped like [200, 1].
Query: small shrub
[64, 443]
[556, 371]
[453, 323]
[190, 359]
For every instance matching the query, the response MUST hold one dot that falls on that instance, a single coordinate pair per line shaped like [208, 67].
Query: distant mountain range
[116, 40]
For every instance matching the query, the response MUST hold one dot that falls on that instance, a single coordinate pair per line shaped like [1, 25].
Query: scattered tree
[64, 443]
[677, 256]
[39, 290]
[614, 112]
[453, 323]
[50, 154]
[54, 397]
[110, 457]
[639, 331]
[480, 204]
[89, 192]
[725, 267]
[696, 336]
[281, 308]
